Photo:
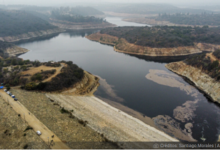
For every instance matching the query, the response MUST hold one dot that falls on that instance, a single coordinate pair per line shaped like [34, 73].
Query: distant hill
[144, 8]
[191, 19]
[77, 14]
[164, 36]
[16, 22]
[82, 11]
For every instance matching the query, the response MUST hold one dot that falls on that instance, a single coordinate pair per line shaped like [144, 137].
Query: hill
[203, 71]
[191, 19]
[146, 8]
[160, 40]
[17, 22]
[164, 36]
[77, 14]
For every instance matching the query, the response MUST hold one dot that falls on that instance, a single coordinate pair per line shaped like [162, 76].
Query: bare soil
[12, 131]
[75, 133]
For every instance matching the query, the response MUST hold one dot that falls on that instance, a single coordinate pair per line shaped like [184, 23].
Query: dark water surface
[125, 77]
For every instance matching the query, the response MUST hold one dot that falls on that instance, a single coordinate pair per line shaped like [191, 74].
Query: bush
[214, 65]
[30, 86]
[41, 86]
[64, 111]
[37, 76]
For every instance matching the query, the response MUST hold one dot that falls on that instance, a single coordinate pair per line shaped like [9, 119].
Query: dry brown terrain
[75, 133]
[33, 122]
[87, 86]
[13, 133]
[15, 50]
[212, 57]
[121, 45]
[201, 80]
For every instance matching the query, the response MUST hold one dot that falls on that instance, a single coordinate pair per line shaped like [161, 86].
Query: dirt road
[212, 57]
[56, 73]
[46, 136]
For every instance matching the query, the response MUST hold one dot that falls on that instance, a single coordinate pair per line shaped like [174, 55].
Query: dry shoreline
[153, 22]
[121, 45]
[195, 76]
[113, 123]
[31, 35]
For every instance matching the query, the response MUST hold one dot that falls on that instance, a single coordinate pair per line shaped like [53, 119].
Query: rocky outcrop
[121, 45]
[201, 80]
[80, 26]
[30, 35]
[14, 51]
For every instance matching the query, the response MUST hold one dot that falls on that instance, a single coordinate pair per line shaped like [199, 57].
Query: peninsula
[203, 71]
[160, 41]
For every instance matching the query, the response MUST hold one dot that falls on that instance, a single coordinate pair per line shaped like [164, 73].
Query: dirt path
[212, 57]
[56, 73]
[55, 142]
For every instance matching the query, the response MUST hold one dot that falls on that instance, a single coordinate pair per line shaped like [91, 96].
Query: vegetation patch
[191, 19]
[16, 22]
[203, 62]
[217, 54]
[13, 72]
[62, 110]
[84, 123]
[77, 14]
[165, 36]
[42, 75]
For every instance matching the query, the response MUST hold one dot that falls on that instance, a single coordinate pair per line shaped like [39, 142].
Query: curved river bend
[139, 84]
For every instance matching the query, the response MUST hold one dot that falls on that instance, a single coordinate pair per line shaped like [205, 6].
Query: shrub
[64, 111]
[30, 86]
[37, 76]
[214, 65]
[41, 86]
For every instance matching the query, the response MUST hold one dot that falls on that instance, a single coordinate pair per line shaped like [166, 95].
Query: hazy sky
[55, 2]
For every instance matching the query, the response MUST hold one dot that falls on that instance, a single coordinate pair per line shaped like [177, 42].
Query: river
[137, 83]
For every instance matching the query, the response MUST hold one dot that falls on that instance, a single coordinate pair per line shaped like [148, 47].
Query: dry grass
[12, 131]
[65, 126]
[34, 70]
